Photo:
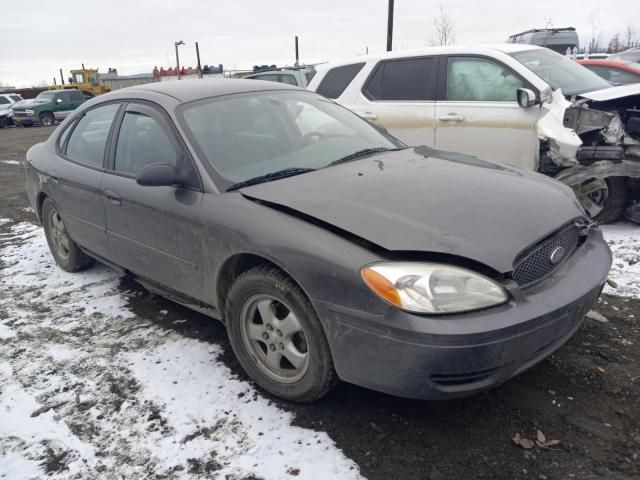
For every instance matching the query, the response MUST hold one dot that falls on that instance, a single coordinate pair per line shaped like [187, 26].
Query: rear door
[400, 95]
[76, 178]
[477, 112]
[153, 231]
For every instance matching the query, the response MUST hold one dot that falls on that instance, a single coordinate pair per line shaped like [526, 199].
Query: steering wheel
[306, 139]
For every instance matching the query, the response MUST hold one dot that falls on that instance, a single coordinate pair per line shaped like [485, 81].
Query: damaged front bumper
[421, 356]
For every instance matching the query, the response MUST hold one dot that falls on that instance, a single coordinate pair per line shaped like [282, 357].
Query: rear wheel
[604, 199]
[64, 250]
[46, 119]
[277, 336]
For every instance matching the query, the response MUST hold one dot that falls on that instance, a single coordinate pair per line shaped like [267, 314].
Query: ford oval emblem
[557, 255]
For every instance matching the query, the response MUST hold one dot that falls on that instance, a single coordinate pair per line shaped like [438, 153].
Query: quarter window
[480, 80]
[88, 140]
[338, 79]
[406, 79]
[142, 141]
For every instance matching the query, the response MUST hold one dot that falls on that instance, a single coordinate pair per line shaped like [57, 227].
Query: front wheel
[46, 119]
[604, 199]
[64, 250]
[277, 336]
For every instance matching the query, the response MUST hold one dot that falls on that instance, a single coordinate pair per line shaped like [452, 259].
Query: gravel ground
[101, 379]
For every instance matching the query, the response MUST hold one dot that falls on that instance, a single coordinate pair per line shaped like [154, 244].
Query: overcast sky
[37, 37]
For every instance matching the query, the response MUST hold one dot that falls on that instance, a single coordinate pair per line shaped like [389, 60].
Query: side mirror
[526, 98]
[59, 100]
[158, 175]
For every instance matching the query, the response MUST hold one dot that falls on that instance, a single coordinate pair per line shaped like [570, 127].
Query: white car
[518, 104]
[7, 100]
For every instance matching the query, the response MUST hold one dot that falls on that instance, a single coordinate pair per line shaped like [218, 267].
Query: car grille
[535, 264]
[20, 114]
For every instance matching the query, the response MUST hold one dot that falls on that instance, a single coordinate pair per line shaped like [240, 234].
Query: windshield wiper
[363, 153]
[268, 177]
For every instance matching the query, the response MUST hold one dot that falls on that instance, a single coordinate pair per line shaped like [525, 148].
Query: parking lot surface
[101, 379]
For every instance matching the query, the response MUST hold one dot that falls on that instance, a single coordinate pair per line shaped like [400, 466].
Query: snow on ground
[11, 162]
[624, 241]
[90, 390]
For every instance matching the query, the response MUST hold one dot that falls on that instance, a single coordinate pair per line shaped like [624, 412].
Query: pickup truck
[522, 105]
[48, 107]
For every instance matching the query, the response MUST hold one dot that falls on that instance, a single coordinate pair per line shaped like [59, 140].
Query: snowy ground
[90, 390]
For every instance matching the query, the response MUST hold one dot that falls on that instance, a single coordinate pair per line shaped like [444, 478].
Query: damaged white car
[522, 105]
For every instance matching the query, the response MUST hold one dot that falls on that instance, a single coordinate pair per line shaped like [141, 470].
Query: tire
[64, 250]
[263, 309]
[46, 119]
[605, 199]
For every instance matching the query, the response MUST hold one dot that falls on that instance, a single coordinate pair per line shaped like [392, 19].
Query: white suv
[518, 104]
[6, 102]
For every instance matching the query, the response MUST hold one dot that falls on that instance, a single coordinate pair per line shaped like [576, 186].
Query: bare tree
[548, 22]
[445, 28]
[629, 35]
[596, 26]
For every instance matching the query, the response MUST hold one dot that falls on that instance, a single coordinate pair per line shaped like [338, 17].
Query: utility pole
[177, 57]
[297, 54]
[390, 27]
[61, 77]
[198, 57]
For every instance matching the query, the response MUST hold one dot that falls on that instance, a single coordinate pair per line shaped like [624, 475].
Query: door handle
[369, 116]
[113, 197]
[451, 117]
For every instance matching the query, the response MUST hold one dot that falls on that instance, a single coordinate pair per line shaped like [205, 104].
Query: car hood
[612, 93]
[426, 200]
[23, 104]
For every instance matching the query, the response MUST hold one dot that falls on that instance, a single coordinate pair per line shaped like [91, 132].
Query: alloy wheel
[274, 338]
[593, 195]
[59, 234]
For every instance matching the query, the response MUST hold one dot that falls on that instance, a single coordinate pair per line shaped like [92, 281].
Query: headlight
[432, 287]
[29, 112]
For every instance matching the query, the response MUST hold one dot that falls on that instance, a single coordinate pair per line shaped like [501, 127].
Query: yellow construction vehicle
[85, 79]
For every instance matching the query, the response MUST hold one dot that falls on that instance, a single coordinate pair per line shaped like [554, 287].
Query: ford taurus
[328, 248]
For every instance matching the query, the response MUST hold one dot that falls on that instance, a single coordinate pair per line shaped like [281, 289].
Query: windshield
[560, 71]
[248, 135]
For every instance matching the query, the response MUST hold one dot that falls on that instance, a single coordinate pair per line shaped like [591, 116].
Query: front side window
[4, 100]
[88, 139]
[16, 98]
[560, 72]
[142, 141]
[480, 80]
[247, 135]
[406, 79]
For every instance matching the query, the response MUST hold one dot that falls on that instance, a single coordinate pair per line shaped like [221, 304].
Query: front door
[399, 96]
[153, 232]
[77, 178]
[64, 105]
[479, 114]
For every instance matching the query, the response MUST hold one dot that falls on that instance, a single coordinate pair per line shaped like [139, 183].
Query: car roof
[195, 89]
[623, 64]
[449, 49]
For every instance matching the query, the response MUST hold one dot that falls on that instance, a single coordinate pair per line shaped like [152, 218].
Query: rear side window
[88, 139]
[4, 100]
[16, 98]
[338, 79]
[406, 79]
[614, 75]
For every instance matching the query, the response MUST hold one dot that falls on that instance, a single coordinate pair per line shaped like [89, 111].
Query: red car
[618, 72]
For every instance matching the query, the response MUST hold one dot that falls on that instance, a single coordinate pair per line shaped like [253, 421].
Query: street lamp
[178, 58]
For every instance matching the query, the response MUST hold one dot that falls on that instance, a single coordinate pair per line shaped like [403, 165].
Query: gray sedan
[329, 249]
